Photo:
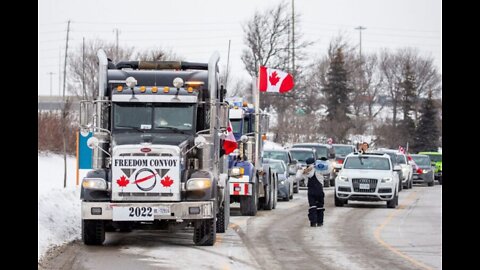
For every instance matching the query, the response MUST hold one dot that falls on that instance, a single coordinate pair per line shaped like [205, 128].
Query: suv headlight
[387, 179]
[343, 178]
[94, 183]
[426, 171]
[198, 184]
[237, 171]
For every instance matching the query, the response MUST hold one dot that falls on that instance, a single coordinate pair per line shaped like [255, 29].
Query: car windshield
[435, 158]
[401, 159]
[367, 163]
[276, 155]
[321, 151]
[278, 167]
[302, 155]
[158, 116]
[343, 150]
[422, 160]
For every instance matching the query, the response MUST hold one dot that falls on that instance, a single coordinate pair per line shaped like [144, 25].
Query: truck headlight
[238, 171]
[386, 180]
[94, 183]
[198, 184]
[343, 178]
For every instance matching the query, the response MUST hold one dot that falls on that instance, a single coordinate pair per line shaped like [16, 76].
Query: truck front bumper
[178, 210]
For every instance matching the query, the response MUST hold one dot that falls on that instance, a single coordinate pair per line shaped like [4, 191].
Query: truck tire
[393, 202]
[275, 191]
[93, 232]
[268, 205]
[430, 184]
[223, 216]
[205, 233]
[338, 202]
[249, 204]
[295, 188]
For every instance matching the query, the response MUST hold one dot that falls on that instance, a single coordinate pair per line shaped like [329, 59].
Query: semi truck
[157, 155]
[251, 183]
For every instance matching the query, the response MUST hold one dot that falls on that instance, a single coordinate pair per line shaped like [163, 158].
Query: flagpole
[256, 103]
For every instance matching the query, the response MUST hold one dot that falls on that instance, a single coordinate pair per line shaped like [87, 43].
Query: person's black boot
[313, 224]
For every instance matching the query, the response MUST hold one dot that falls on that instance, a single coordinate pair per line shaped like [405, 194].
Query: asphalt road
[357, 236]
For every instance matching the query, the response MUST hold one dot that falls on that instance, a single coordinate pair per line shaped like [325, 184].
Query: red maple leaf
[274, 78]
[166, 182]
[123, 181]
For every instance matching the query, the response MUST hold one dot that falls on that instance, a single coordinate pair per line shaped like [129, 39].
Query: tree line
[337, 95]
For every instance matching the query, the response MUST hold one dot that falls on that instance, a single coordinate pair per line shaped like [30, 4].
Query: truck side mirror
[86, 112]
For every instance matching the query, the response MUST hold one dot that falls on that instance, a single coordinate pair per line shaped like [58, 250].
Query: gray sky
[194, 29]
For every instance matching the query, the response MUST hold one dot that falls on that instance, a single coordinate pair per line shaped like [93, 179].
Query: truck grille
[371, 182]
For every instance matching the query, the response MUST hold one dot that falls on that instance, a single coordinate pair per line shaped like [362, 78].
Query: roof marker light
[166, 89]
[154, 89]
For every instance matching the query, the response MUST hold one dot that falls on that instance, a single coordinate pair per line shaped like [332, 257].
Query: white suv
[367, 177]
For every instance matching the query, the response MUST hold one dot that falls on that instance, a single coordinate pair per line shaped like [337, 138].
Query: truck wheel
[205, 233]
[326, 183]
[338, 202]
[430, 184]
[332, 182]
[268, 205]
[275, 192]
[93, 232]
[393, 202]
[249, 204]
[221, 220]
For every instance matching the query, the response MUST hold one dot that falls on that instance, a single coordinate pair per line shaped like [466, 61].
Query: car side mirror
[397, 168]
[292, 169]
[331, 155]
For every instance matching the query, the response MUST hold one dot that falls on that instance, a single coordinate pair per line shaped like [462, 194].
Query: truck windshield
[153, 116]
[236, 125]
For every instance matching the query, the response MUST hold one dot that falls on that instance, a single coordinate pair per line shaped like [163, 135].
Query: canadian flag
[274, 80]
[229, 144]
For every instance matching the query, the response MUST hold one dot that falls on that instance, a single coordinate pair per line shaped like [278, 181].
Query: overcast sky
[194, 29]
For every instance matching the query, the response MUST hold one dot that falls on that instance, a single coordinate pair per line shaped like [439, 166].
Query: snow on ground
[272, 145]
[58, 208]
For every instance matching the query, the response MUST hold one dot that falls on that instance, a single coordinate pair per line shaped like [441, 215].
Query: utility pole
[50, 73]
[360, 28]
[116, 44]
[228, 62]
[64, 114]
[83, 69]
[293, 38]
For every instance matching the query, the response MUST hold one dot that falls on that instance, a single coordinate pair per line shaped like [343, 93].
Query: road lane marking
[379, 229]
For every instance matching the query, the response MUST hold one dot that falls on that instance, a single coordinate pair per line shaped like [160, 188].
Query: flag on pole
[229, 144]
[274, 80]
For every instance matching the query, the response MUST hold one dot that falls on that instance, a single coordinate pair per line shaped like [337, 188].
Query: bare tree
[157, 54]
[391, 66]
[83, 67]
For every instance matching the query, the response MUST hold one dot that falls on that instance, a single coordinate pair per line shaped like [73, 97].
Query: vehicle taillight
[419, 171]
[340, 161]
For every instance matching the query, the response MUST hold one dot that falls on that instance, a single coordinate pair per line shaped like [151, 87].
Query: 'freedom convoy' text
[145, 162]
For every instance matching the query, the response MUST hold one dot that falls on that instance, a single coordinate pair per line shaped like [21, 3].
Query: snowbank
[58, 208]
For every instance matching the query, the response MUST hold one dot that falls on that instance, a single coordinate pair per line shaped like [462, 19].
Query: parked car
[291, 163]
[424, 172]
[367, 177]
[407, 170]
[301, 155]
[393, 156]
[341, 151]
[436, 159]
[285, 182]
[326, 151]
